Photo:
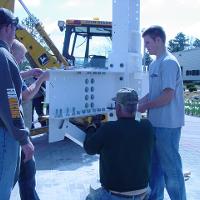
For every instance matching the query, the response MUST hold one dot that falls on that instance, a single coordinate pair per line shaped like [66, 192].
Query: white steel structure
[86, 92]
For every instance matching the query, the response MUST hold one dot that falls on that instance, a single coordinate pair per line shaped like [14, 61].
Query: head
[8, 24]
[154, 39]
[126, 102]
[18, 50]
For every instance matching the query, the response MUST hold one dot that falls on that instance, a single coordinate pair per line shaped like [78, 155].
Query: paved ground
[65, 171]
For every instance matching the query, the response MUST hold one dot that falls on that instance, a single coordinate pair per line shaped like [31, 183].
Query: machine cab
[87, 43]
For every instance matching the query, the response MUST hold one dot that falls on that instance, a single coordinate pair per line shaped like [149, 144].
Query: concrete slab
[65, 171]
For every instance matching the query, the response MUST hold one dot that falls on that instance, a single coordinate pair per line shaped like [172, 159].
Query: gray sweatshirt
[10, 96]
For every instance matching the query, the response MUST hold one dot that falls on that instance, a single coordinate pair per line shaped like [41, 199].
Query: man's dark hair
[154, 32]
[7, 17]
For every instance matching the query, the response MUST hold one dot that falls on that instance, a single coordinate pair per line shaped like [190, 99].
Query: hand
[91, 129]
[36, 72]
[142, 107]
[97, 120]
[28, 150]
[44, 76]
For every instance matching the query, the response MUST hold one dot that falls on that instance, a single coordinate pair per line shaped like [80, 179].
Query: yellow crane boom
[38, 55]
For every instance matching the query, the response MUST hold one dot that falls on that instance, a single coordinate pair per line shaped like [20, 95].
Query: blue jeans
[9, 156]
[167, 166]
[102, 194]
[27, 179]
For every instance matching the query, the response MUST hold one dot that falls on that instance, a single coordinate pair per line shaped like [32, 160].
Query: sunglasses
[15, 22]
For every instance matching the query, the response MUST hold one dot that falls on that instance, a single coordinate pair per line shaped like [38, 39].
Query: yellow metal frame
[35, 49]
[9, 4]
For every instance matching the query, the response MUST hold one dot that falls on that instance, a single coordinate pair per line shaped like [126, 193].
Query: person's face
[10, 33]
[151, 45]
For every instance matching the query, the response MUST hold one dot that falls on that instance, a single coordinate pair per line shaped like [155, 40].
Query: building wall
[190, 63]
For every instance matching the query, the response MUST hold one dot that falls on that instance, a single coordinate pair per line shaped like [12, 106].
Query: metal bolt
[86, 97]
[92, 105]
[92, 96]
[92, 80]
[111, 114]
[121, 65]
[92, 89]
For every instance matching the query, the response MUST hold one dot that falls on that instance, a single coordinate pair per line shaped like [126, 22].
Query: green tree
[29, 24]
[196, 43]
[146, 60]
[179, 43]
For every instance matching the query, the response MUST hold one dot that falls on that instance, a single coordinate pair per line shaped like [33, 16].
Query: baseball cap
[7, 17]
[126, 96]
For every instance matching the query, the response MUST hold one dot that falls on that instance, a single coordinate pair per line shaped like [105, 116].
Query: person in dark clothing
[37, 105]
[13, 133]
[125, 148]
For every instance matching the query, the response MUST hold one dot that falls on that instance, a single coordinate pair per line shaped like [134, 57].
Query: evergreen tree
[179, 43]
[196, 43]
[146, 60]
[29, 24]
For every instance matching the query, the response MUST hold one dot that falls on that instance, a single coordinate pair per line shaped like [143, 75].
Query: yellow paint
[14, 107]
[9, 4]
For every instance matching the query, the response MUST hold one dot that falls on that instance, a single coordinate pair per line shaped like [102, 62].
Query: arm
[10, 111]
[94, 140]
[169, 71]
[164, 99]
[32, 90]
[36, 72]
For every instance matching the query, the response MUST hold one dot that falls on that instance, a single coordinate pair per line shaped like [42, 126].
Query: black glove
[91, 128]
[97, 119]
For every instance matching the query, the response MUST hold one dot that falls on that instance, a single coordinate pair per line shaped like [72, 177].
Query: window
[192, 72]
[188, 72]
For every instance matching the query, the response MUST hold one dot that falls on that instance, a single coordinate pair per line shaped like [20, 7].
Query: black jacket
[10, 96]
[125, 147]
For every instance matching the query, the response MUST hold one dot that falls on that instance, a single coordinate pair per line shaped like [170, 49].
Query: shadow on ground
[63, 155]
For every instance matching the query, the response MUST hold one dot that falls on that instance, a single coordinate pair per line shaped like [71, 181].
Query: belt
[120, 194]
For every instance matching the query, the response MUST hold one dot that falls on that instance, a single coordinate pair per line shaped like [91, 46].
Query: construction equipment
[38, 56]
[86, 88]
[93, 82]
[9, 4]
[45, 36]
[87, 33]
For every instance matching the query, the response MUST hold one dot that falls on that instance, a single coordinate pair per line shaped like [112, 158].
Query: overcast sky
[174, 15]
